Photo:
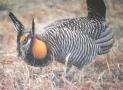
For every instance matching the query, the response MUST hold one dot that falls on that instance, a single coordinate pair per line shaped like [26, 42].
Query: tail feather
[105, 41]
[96, 7]
[106, 32]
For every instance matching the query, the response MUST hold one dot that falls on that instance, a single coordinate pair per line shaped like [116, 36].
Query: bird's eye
[23, 39]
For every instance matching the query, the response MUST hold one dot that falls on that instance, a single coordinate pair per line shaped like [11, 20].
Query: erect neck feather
[39, 49]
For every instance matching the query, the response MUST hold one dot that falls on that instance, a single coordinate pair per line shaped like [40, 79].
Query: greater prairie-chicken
[82, 39]
[94, 25]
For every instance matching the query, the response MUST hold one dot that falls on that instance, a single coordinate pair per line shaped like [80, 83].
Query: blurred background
[106, 73]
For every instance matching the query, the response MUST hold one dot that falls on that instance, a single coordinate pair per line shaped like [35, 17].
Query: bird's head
[29, 46]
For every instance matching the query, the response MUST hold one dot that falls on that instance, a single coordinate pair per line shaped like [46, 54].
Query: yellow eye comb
[23, 39]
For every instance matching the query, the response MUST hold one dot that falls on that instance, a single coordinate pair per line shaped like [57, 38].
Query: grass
[15, 74]
[105, 73]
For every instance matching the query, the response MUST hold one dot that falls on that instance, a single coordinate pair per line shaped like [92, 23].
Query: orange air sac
[39, 49]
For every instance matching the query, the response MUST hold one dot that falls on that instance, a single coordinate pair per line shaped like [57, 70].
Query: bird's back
[94, 25]
[90, 26]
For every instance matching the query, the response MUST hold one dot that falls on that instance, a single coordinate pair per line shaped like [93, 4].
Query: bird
[79, 39]
[94, 24]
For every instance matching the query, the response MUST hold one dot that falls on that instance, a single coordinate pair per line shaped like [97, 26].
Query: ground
[105, 73]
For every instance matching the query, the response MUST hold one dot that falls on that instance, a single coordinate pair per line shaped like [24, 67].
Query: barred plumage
[82, 49]
[82, 39]
[60, 43]
[94, 25]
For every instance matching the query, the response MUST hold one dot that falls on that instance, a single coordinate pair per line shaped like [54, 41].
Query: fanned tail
[105, 41]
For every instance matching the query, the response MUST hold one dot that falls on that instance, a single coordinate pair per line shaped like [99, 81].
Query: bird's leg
[67, 69]
[67, 65]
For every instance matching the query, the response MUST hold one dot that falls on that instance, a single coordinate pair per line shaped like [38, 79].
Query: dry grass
[105, 73]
